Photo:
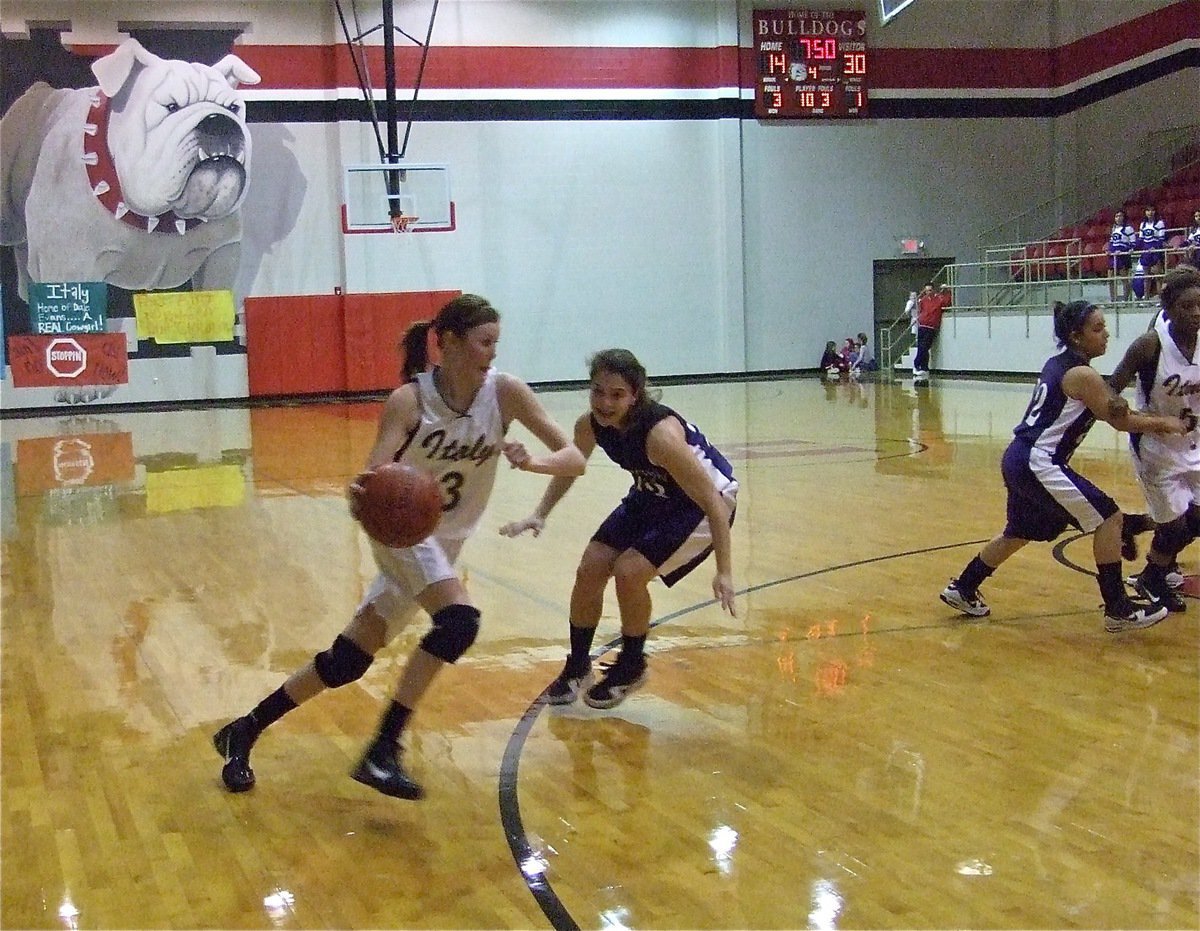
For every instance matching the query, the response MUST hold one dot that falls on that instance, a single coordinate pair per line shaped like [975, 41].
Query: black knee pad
[342, 663]
[1170, 538]
[454, 630]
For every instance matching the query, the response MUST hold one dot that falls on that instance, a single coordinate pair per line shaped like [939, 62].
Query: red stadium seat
[1056, 265]
[1175, 249]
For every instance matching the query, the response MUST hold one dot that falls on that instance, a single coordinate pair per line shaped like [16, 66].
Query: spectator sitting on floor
[832, 363]
[864, 360]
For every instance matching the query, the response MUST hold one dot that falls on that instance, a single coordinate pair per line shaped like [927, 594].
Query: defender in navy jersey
[678, 510]
[1164, 365]
[462, 404]
[1045, 495]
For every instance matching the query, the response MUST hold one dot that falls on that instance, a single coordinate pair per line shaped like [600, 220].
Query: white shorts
[1170, 487]
[404, 574]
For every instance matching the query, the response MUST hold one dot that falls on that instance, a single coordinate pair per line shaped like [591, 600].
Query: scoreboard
[811, 64]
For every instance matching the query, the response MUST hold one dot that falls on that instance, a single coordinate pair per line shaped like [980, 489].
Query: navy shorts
[1044, 498]
[673, 535]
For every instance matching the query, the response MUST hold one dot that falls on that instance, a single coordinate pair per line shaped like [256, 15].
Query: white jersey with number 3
[460, 450]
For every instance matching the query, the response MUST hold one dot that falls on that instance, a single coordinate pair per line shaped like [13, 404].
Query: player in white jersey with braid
[450, 422]
[1164, 367]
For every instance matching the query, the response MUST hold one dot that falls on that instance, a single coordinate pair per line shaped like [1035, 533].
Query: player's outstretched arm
[585, 442]
[518, 402]
[1084, 383]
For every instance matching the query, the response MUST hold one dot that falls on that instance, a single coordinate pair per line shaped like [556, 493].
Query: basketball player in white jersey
[1165, 369]
[450, 422]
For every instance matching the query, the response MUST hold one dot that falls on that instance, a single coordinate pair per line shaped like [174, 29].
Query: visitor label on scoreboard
[68, 306]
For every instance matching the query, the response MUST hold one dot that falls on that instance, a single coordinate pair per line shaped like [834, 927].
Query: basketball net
[403, 224]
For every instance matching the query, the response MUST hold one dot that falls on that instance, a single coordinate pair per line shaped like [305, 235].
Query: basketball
[399, 505]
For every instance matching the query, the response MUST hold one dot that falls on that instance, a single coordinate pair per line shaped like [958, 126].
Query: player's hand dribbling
[517, 527]
[355, 491]
[722, 587]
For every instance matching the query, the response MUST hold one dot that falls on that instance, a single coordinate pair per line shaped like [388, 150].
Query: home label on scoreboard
[811, 64]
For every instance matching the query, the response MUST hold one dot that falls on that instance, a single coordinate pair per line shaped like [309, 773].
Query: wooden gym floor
[847, 753]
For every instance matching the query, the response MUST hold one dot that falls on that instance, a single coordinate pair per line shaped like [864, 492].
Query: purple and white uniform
[1045, 494]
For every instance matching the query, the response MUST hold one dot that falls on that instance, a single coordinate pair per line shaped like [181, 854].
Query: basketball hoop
[403, 224]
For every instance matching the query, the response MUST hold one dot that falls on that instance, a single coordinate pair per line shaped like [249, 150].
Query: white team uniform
[462, 452]
[1168, 467]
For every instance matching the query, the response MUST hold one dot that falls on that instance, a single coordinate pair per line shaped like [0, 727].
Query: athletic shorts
[674, 537]
[1044, 498]
[1170, 485]
[405, 572]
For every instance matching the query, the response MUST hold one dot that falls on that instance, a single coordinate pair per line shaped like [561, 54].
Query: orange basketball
[400, 505]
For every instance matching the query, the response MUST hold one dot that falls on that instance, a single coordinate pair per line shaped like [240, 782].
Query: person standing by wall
[1152, 237]
[1120, 264]
[462, 403]
[931, 305]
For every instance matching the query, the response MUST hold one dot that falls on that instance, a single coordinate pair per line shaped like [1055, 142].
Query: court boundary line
[529, 863]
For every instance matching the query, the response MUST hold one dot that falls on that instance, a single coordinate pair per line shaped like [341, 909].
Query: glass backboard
[420, 191]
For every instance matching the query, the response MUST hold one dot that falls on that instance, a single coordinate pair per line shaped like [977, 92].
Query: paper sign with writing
[185, 316]
[68, 306]
[82, 359]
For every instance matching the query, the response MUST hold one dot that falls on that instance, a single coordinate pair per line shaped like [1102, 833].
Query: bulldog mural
[137, 182]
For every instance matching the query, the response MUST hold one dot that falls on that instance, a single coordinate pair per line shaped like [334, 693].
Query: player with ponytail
[1046, 495]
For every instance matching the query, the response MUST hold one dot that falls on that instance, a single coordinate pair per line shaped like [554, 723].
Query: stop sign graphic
[66, 358]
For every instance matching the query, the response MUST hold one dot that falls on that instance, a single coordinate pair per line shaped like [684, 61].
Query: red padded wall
[374, 325]
[295, 345]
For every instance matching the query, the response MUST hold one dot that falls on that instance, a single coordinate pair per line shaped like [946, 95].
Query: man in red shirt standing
[930, 305]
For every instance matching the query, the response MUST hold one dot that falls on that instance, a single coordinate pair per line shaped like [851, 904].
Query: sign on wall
[68, 306]
[185, 316]
[57, 361]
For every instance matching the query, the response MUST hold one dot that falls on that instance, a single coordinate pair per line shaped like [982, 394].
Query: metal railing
[1165, 153]
[1022, 278]
[894, 341]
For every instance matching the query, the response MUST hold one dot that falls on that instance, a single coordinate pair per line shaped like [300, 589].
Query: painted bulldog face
[177, 132]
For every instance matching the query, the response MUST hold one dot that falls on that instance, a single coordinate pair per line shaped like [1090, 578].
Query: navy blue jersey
[1053, 422]
[652, 484]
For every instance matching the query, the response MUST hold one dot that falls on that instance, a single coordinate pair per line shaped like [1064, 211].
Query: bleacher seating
[1081, 247]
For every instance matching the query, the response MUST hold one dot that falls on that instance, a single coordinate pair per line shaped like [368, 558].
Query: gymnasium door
[894, 280]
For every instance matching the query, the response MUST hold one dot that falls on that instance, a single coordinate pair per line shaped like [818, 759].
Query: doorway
[893, 281]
